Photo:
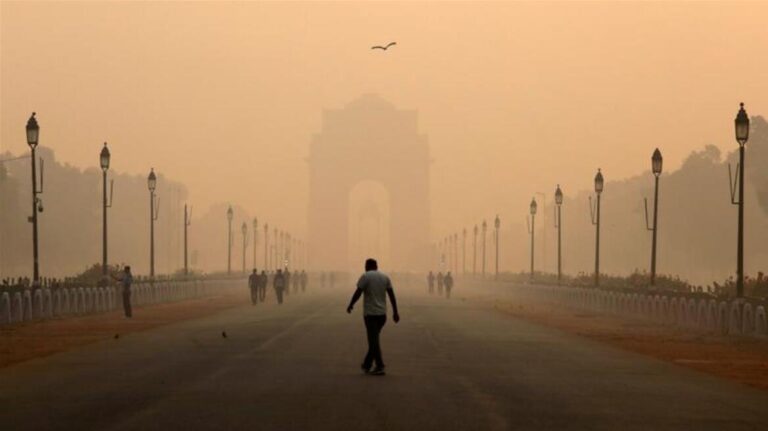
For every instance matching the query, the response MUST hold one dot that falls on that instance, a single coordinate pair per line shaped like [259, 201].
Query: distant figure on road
[440, 283]
[253, 284]
[287, 275]
[279, 284]
[431, 282]
[126, 280]
[296, 279]
[322, 279]
[375, 286]
[303, 281]
[448, 281]
[263, 281]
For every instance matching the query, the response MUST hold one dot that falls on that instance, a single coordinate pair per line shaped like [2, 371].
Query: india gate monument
[369, 188]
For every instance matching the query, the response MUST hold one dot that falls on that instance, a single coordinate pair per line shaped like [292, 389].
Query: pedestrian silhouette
[253, 286]
[126, 280]
[278, 283]
[375, 287]
[448, 281]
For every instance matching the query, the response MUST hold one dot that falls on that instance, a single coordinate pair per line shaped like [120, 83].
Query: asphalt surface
[452, 365]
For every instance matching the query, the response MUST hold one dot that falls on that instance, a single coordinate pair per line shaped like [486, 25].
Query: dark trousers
[127, 303]
[262, 293]
[254, 295]
[279, 294]
[373, 326]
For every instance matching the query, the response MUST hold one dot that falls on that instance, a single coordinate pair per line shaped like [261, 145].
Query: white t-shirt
[374, 285]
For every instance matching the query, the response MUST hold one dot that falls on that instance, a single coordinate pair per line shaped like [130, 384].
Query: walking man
[295, 279]
[431, 282]
[374, 286]
[263, 286]
[126, 280]
[279, 284]
[253, 285]
[303, 281]
[287, 281]
[448, 281]
[440, 283]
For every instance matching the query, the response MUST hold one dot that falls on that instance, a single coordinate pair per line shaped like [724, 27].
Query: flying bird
[384, 48]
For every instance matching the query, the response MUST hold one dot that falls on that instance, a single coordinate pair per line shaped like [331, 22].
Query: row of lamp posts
[278, 254]
[736, 185]
[33, 134]
[450, 245]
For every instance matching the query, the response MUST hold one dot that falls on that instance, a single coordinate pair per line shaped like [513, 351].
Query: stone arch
[369, 140]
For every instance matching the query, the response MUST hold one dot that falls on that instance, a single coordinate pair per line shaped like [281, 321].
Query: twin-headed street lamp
[187, 222]
[559, 226]
[474, 252]
[532, 231]
[266, 246]
[33, 133]
[485, 228]
[464, 251]
[595, 214]
[230, 215]
[656, 164]
[255, 240]
[152, 185]
[104, 158]
[741, 125]
[244, 228]
[496, 226]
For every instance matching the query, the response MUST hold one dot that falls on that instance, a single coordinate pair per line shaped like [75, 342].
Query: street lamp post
[656, 162]
[464, 251]
[532, 231]
[255, 240]
[245, 242]
[33, 133]
[266, 246]
[595, 214]
[455, 252]
[741, 124]
[187, 222]
[275, 252]
[230, 215]
[474, 252]
[153, 213]
[559, 226]
[485, 228]
[104, 159]
[496, 225]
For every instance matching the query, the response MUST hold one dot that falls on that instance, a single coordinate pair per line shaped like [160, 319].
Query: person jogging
[374, 286]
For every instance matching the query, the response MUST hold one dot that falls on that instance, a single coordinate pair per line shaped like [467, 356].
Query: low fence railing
[22, 305]
[742, 317]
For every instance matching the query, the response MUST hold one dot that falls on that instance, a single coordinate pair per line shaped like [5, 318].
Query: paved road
[452, 365]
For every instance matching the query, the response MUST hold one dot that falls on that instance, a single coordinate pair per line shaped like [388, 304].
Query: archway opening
[369, 225]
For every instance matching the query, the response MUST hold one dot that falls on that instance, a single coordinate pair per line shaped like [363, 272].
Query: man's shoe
[378, 371]
[366, 370]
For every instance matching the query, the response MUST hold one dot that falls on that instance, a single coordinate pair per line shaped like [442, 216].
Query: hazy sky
[515, 97]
